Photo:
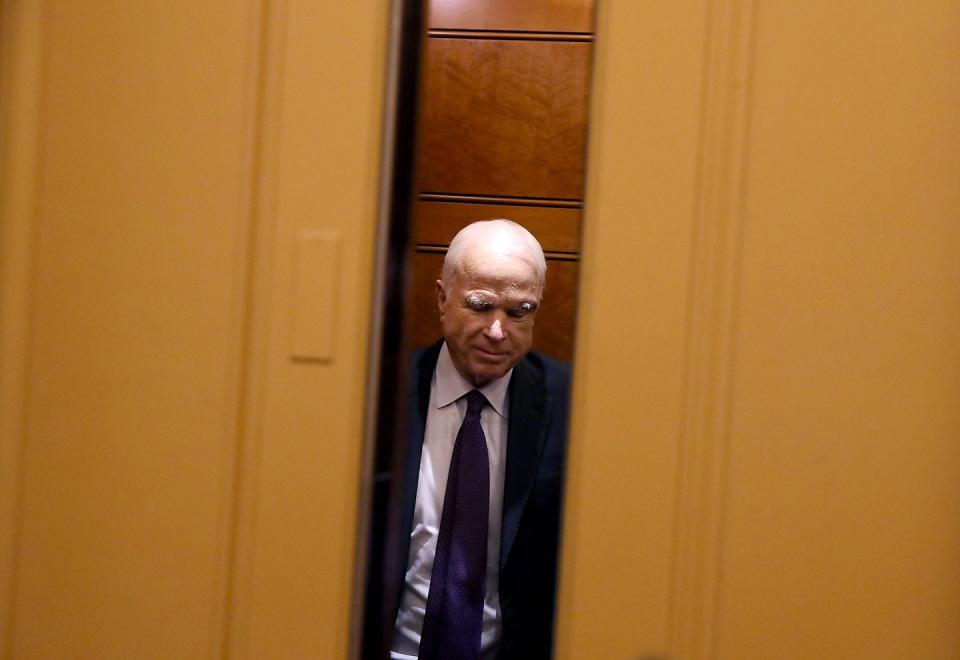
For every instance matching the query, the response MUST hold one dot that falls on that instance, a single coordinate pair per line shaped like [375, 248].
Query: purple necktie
[454, 616]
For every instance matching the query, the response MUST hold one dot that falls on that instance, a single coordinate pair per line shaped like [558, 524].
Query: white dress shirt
[445, 415]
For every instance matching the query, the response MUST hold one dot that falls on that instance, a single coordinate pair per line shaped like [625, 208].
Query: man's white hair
[506, 236]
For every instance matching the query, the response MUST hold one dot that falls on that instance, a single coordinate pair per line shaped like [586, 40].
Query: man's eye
[522, 310]
[478, 304]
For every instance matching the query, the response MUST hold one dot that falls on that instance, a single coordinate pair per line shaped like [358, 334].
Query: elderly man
[485, 461]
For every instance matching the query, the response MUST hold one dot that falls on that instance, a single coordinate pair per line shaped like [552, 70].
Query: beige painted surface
[324, 92]
[135, 290]
[630, 338]
[173, 484]
[843, 519]
[20, 62]
[765, 455]
[769, 286]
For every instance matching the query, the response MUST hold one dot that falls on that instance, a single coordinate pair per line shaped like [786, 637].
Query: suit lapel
[526, 431]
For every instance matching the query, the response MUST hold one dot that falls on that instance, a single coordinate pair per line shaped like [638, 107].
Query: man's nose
[495, 330]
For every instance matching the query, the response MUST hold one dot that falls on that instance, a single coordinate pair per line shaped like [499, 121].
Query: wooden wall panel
[556, 321]
[553, 333]
[557, 228]
[503, 125]
[528, 15]
[504, 117]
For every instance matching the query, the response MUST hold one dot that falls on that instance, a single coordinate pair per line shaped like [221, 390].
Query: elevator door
[765, 458]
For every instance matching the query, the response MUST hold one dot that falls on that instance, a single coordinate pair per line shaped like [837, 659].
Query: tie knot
[475, 402]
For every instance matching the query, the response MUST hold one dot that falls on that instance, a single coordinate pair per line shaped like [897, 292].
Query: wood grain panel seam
[500, 200]
[434, 248]
[716, 245]
[509, 35]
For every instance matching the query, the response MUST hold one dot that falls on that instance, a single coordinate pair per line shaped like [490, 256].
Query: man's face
[487, 315]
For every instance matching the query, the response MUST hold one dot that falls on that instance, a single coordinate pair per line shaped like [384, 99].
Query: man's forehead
[494, 261]
[498, 274]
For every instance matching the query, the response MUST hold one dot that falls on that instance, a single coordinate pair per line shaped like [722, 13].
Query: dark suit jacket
[532, 494]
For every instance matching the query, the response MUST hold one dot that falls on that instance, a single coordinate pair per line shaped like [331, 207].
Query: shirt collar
[451, 385]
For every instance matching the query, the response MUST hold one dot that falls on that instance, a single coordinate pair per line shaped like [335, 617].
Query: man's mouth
[490, 355]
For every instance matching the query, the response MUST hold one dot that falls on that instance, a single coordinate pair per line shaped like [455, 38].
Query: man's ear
[441, 298]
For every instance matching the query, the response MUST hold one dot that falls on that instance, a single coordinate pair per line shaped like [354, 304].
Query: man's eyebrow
[475, 300]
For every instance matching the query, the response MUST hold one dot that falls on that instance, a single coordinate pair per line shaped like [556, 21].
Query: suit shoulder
[425, 357]
[556, 373]
[420, 368]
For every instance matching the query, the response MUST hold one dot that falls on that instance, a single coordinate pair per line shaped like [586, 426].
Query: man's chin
[484, 372]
